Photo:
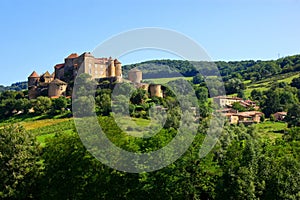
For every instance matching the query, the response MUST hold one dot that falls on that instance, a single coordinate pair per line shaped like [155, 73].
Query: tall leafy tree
[19, 168]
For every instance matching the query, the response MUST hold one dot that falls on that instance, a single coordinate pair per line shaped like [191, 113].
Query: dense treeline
[241, 166]
[246, 70]
[19, 86]
[16, 103]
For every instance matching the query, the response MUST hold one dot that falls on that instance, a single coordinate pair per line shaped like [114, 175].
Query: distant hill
[247, 70]
[18, 86]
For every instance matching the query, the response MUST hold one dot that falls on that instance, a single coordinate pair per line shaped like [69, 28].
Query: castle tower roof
[73, 55]
[58, 66]
[117, 61]
[34, 75]
[87, 54]
[46, 74]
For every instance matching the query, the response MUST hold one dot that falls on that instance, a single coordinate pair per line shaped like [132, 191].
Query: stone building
[135, 75]
[223, 101]
[97, 68]
[57, 88]
[155, 90]
[56, 84]
[100, 69]
[246, 118]
[38, 85]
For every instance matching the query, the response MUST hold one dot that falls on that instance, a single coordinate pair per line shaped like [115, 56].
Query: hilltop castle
[58, 83]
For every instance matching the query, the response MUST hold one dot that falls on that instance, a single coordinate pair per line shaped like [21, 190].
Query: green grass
[166, 80]
[271, 130]
[138, 127]
[265, 84]
[288, 80]
[247, 82]
[29, 125]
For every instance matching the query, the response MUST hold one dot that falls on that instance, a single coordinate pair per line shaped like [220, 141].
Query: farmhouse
[246, 118]
[279, 116]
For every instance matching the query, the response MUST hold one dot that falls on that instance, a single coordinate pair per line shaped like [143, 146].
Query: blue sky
[35, 35]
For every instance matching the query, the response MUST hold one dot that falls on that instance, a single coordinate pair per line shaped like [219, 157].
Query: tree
[7, 107]
[271, 102]
[83, 106]
[296, 83]
[202, 94]
[241, 94]
[19, 169]
[59, 104]
[42, 105]
[138, 96]
[23, 105]
[293, 115]
[103, 101]
[198, 79]
[256, 95]
[234, 85]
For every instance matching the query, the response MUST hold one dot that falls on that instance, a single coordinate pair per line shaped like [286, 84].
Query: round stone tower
[111, 68]
[33, 79]
[57, 88]
[135, 75]
[118, 66]
[155, 90]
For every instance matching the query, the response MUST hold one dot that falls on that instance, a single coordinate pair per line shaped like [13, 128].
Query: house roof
[281, 113]
[244, 114]
[227, 97]
[34, 75]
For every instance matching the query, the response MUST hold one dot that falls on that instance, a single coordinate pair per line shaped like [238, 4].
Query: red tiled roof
[58, 66]
[73, 55]
[281, 113]
[34, 75]
[227, 97]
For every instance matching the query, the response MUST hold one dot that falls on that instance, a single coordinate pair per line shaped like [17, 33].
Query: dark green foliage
[19, 86]
[19, 168]
[59, 105]
[256, 95]
[296, 83]
[198, 79]
[42, 105]
[278, 99]
[293, 115]
[248, 70]
[233, 86]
